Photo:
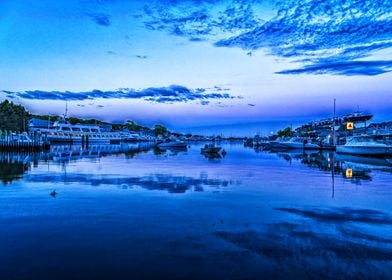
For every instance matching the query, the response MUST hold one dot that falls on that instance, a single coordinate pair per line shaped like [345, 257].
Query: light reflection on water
[133, 211]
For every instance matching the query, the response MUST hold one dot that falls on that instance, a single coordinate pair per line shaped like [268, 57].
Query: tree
[160, 130]
[13, 117]
[287, 132]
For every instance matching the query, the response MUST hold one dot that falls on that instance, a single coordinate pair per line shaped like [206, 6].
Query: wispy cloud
[101, 19]
[348, 68]
[201, 20]
[170, 94]
[327, 36]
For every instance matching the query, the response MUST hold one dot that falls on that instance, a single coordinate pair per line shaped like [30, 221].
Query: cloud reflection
[161, 182]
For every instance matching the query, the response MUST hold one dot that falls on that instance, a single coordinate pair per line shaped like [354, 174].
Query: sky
[213, 66]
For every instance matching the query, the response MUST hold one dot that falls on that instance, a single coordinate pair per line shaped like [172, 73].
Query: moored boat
[65, 132]
[295, 143]
[211, 149]
[371, 145]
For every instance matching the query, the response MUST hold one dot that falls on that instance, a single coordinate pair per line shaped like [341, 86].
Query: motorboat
[370, 145]
[295, 143]
[210, 149]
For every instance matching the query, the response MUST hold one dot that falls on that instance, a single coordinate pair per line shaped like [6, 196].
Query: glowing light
[349, 173]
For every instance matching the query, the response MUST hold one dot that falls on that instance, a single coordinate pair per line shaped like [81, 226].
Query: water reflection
[69, 153]
[162, 182]
[169, 151]
[330, 242]
[354, 168]
[13, 166]
[244, 216]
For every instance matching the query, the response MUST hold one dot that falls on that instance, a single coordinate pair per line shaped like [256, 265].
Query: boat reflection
[212, 156]
[65, 153]
[169, 151]
[355, 168]
[13, 165]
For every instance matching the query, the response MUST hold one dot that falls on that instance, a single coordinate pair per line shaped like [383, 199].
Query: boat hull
[78, 140]
[365, 150]
[295, 145]
[211, 150]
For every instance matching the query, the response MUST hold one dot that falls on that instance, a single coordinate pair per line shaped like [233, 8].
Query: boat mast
[66, 110]
[333, 122]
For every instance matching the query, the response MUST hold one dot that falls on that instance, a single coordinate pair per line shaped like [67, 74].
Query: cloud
[200, 20]
[348, 68]
[310, 31]
[170, 94]
[101, 19]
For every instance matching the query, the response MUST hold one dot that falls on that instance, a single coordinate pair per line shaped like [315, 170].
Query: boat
[370, 145]
[64, 132]
[210, 149]
[357, 117]
[131, 137]
[295, 143]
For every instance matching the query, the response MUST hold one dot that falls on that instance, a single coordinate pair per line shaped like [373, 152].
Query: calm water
[132, 212]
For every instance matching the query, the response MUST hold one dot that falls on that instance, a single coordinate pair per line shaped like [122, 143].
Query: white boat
[372, 145]
[64, 132]
[295, 143]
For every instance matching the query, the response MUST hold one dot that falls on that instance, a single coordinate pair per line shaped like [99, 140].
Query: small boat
[210, 149]
[369, 145]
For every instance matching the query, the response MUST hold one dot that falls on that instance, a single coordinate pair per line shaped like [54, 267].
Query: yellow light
[349, 173]
[350, 126]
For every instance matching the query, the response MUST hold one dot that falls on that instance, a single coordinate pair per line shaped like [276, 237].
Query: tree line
[13, 117]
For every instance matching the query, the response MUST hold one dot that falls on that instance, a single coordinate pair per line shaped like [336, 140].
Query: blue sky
[196, 63]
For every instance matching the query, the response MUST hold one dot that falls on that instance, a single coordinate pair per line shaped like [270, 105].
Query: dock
[13, 146]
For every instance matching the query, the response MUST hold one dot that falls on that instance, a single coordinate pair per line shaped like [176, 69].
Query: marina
[195, 140]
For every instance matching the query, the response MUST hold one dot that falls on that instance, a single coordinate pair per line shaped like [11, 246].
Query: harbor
[195, 140]
[353, 133]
